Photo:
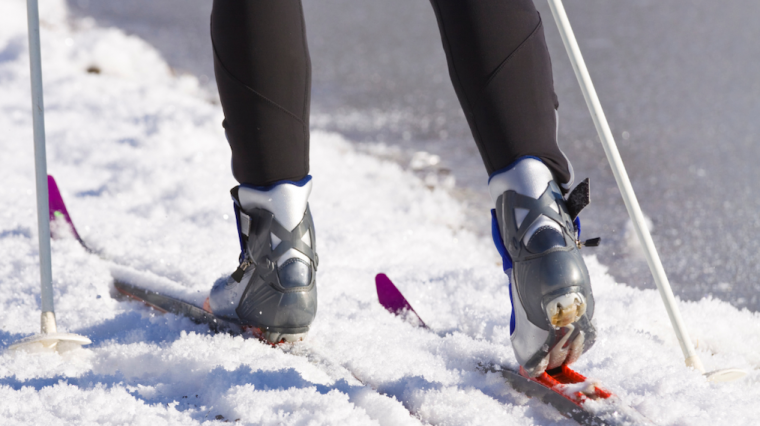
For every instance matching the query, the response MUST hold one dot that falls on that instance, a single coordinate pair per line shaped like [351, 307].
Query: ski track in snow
[141, 160]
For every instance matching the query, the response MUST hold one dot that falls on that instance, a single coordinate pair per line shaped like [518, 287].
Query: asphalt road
[679, 81]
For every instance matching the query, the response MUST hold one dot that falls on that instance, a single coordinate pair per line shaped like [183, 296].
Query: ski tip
[55, 201]
[391, 298]
[57, 210]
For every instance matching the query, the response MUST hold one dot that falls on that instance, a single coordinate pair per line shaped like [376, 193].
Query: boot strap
[289, 239]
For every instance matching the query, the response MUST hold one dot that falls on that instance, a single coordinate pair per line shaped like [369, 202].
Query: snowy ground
[142, 162]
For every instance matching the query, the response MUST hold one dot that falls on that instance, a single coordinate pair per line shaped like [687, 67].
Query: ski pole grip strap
[245, 223]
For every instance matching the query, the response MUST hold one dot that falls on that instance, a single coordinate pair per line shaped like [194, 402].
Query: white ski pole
[49, 336]
[626, 190]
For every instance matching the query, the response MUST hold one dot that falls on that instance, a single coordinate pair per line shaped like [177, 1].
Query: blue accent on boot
[512, 317]
[512, 165]
[577, 223]
[496, 234]
[240, 234]
[299, 183]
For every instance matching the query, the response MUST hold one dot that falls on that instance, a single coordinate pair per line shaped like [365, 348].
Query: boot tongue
[543, 239]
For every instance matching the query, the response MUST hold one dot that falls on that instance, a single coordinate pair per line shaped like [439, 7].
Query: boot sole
[277, 337]
[271, 337]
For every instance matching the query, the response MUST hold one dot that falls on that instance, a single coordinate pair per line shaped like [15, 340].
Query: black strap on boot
[511, 201]
[256, 227]
[569, 208]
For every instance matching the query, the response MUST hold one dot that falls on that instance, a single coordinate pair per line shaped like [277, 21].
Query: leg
[501, 71]
[263, 72]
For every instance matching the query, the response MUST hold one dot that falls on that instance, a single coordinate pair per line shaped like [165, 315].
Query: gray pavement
[679, 81]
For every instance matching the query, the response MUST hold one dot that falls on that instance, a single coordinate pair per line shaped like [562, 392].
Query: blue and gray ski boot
[274, 290]
[536, 231]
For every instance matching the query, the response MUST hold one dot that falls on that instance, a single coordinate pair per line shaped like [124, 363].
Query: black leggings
[498, 62]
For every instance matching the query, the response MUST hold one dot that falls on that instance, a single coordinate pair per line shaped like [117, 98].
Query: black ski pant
[498, 62]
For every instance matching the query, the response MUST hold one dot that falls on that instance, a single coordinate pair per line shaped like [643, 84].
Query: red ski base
[569, 392]
[558, 380]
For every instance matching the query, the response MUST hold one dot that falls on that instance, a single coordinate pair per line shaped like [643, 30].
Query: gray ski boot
[274, 290]
[535, 230]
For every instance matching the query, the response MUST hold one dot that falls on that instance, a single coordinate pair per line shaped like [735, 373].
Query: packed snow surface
[142, 162]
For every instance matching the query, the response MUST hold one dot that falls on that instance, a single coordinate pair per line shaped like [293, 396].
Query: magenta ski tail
[392, 299]
[58, 211]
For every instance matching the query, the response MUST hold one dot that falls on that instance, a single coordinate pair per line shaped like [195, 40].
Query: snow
[141, 160]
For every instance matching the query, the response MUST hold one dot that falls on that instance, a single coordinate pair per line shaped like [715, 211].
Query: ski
[155, 299]
[152, 290]
[165, 303]
[568, 391]
[168, 304]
